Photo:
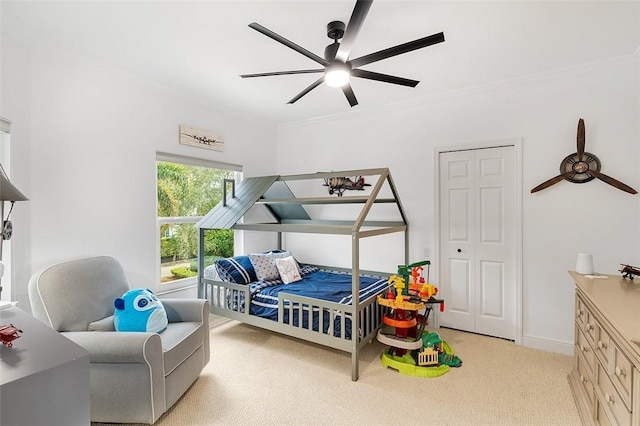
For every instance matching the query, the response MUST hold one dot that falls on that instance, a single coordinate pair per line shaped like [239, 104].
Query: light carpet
[263, 378]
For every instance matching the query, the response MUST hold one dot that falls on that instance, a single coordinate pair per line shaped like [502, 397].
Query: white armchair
[135, 376]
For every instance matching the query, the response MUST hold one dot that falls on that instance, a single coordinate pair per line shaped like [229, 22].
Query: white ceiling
[201, 47]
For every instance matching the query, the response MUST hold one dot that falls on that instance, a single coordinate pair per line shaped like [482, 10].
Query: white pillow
[265, 264]
[288, 269]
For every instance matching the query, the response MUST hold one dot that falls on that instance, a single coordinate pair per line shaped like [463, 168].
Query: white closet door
[478, 241]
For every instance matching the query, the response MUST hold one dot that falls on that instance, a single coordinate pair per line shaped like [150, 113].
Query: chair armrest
[181, 310]
[119, 347]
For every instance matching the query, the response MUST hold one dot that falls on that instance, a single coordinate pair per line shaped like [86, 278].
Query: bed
[330, 291]
[331, 306]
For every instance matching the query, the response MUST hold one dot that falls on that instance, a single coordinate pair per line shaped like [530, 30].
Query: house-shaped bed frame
[289, 215]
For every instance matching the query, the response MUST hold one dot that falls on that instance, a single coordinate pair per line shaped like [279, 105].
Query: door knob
[459, 250]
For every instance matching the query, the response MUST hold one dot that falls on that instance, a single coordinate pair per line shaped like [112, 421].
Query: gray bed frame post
[202, 289]
[406, 246]
[355, 289]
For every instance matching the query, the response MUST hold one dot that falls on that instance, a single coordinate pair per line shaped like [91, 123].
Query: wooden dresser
[605, 379]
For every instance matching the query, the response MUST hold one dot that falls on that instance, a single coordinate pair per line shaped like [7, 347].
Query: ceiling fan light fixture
[338, 65]
[337, 75]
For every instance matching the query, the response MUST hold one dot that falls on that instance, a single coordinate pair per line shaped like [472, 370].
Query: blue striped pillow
[238, 269]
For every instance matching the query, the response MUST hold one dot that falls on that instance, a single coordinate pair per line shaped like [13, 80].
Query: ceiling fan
[582, 167]
[338, 67]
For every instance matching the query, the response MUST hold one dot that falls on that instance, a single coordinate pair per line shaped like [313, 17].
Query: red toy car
[9, 333]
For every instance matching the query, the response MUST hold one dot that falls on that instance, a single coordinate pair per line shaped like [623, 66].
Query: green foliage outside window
[185, 191]
[183, 272]
[183, 244]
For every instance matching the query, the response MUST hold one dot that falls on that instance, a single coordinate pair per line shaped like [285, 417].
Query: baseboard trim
[557, 346]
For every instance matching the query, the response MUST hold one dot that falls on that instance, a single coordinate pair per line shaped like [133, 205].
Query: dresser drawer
[585, 378]
[581, 312]
[609, 397]
[586, 321]
[584, 349]
[601, 415]
[602, 344]
[590, 328]
[622, 374]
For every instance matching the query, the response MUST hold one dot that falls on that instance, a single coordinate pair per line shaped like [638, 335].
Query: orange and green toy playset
[412, 349]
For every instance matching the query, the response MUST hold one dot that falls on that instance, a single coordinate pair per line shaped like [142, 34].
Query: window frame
[192, 282]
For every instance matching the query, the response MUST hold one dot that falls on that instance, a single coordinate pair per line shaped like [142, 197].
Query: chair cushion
[179, 341]
[69, 296]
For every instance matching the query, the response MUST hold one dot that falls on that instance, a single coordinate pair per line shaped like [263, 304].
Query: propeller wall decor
[581, 167]
[338, 67]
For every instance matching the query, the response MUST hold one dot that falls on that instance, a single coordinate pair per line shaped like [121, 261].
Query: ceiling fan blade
[613, 182]
[351, 97]
[385, 78]
[288, 43]
[580, 139]
[360, 11]
[309, 88]
[398, 50]
[550, 182]
[268, 74]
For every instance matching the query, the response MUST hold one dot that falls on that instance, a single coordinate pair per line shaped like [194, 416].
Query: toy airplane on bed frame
[337, 185]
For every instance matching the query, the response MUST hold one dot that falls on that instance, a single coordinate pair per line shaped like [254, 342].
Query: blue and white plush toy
[139, 310]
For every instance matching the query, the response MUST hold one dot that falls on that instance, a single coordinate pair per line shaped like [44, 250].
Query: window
[187, 189]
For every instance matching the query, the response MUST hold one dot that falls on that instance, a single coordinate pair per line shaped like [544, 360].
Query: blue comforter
[316, 284]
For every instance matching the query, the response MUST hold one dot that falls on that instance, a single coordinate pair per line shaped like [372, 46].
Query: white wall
[85, 141]
[543, 111]
[14, 105]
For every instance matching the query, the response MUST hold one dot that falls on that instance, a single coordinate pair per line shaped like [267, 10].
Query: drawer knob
[602, 345]
[620, 372]
[588, 327]
[583, 379]
[609, 398]
[579, 313]
[585, 349]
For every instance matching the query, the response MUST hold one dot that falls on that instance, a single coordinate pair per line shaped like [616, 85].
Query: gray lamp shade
[8, 192]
